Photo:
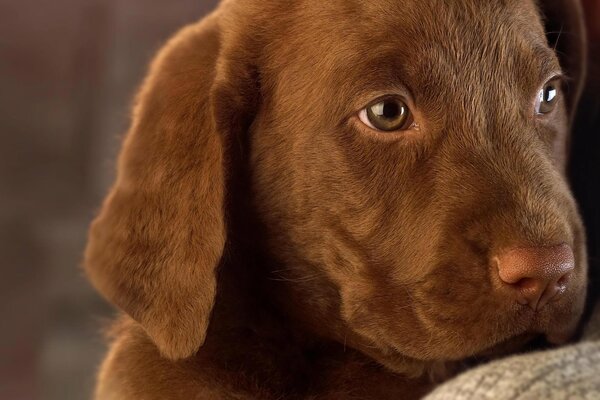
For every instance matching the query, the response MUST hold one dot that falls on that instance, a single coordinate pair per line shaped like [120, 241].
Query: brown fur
[333, 262]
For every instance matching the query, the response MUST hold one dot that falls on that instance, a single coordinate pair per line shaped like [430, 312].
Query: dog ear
[155, 246]
[565, 29]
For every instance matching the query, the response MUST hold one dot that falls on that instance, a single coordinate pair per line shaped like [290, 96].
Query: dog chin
[522, 339]
[443, 369]
[514, 344]
[528, 341]
[540, 334]
[537, 336]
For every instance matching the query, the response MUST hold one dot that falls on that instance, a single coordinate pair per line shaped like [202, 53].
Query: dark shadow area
[585, 155]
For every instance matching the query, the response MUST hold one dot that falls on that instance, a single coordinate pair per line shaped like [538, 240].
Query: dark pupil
[391, 110]
[388, 115]
[549, 94]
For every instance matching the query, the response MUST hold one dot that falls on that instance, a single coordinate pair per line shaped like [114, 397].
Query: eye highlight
[387, 114]
[547, 97]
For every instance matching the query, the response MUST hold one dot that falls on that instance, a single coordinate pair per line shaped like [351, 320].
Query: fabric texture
[571, 372]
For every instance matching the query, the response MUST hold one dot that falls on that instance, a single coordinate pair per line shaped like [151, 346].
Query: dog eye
[388, 114]
[547, 97]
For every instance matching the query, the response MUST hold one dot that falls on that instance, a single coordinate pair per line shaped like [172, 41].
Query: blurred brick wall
[68, 71]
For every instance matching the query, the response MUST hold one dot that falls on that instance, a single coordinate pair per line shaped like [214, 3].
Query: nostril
[563, 280]
[536, 275]
[524, 284]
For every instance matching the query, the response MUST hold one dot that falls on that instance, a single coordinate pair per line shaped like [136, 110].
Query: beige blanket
[571, 372]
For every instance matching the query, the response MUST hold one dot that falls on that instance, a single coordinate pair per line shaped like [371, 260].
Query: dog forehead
[431, 31]
[441, 13]
[431, 46]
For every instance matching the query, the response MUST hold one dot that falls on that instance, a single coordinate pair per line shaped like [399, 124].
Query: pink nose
[536, 275]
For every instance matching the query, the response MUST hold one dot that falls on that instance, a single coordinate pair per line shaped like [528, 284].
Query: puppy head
[399, 152]
[406, 156]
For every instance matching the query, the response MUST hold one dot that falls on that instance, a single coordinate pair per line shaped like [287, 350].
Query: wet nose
[536, 275]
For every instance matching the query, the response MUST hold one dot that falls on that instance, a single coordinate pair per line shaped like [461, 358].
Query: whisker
[558, 38]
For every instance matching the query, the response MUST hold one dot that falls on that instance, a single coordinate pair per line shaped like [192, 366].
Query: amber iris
[390, 114]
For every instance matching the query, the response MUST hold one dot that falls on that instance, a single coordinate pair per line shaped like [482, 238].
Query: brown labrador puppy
[342, 200]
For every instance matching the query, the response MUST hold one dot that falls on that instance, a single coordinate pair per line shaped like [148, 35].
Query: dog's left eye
[387, 114]
[547, 97]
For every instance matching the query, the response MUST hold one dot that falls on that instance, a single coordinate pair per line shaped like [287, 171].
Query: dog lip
[559, 338]
[555, 333]
[562, 335]
[530, 328]
[530, 322]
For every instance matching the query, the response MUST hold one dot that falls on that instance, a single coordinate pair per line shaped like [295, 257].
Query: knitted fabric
[571, 372]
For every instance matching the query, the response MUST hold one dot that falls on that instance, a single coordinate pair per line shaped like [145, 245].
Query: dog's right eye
[387, 114]
[547, 97]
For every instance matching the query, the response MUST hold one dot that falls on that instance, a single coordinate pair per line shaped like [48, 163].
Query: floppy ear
[154, 248]
[565, 29]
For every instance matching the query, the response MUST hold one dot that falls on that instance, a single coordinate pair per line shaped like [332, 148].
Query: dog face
[406, 163]
[407, 222]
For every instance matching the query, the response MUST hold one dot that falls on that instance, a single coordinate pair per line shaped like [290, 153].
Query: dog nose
[536, 275]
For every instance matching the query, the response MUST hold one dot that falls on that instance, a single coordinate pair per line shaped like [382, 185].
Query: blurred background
[68, 72]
